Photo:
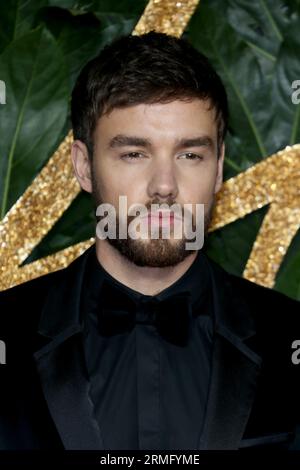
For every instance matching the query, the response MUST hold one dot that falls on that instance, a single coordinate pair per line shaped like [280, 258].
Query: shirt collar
[196, 280]
[63, 313]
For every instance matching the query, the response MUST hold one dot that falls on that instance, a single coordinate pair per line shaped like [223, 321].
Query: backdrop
[255, 47]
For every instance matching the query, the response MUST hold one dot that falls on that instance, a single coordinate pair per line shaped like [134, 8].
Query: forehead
[160, 121]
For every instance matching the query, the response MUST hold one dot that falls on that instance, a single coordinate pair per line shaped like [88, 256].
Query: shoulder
[256, 293]
[265, 299]
[265, 304]
[35, 290]
[273, 316]
[21, 305]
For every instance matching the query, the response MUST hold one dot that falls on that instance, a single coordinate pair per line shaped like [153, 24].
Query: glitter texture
[275, 181]
[166, 16]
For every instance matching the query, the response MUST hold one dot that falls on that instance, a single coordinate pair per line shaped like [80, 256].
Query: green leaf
[35, 111]
[17, 18]
[231, 245]
[102, 7]
[288, 278]
[260, 23]
[286, 123]
[241, 72]
[81, 38]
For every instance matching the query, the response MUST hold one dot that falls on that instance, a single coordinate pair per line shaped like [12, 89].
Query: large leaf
[231, 245]
[288, 278]
[286, 123]
[257, 62]
[261, 23]
[81, 37]
[242, 75]
[31, 121]
[17, 18]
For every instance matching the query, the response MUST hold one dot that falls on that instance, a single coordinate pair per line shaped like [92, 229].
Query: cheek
[201, 187]
[112, 185]
[107, 179]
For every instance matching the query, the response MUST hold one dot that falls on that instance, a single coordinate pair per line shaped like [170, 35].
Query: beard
[152, 252]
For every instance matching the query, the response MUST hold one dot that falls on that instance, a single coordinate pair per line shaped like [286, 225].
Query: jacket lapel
[61, 366]
[62, 371]
[235, 367]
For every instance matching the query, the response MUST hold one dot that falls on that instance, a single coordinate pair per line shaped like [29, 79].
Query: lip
[161, 218]
[163, 215]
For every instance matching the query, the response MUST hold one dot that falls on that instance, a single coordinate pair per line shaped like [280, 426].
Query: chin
[158, 253]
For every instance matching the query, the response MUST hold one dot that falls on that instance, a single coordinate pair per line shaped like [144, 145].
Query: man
[141, 343]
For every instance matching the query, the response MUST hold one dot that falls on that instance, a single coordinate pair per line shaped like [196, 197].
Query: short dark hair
[149, 68]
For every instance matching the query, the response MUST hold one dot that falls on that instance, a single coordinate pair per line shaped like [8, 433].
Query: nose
[163, 183]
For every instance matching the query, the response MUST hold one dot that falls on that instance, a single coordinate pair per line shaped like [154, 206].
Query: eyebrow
[121, 140]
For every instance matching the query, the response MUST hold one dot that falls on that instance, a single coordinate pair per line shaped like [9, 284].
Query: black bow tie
[119, 313]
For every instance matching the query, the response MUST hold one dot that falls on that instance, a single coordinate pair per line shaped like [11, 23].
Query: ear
[82, 165]
[220, 164]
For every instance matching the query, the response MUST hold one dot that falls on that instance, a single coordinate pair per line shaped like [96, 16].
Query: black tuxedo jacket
[44, 389]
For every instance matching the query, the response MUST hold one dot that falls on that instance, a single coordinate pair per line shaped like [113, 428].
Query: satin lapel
[66, 389]
[231, 395]
[61, 363]
[235, 368]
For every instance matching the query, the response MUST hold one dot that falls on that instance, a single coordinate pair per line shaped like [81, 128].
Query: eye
[192, 156]
[131, 156]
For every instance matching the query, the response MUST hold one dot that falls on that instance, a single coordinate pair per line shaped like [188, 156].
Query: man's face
[160, 167]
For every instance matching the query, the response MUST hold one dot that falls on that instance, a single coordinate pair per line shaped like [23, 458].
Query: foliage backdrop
[254, 46]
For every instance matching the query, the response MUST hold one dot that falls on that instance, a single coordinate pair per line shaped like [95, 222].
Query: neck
[144, 279]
